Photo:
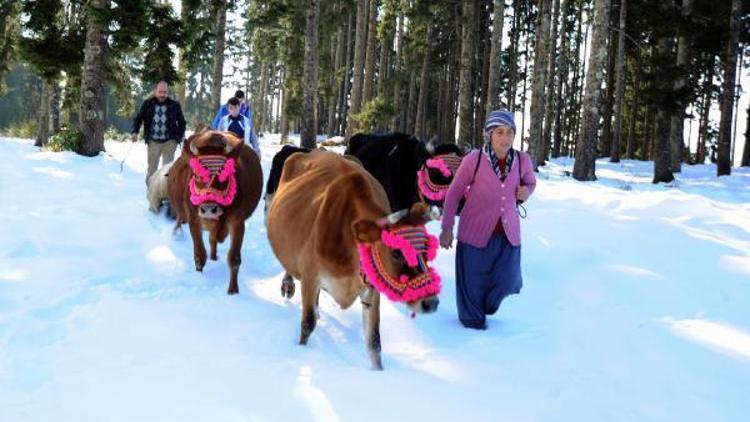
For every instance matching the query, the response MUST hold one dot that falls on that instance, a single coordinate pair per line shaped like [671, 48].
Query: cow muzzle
[426, 305]
[210, 210]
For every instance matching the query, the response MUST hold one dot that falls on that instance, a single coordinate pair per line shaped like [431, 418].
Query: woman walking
[488, 255]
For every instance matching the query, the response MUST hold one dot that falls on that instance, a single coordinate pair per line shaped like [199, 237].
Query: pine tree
[493, 88]
[724, 166]
[217, 76]
[619, 85]
[310, 90]
[9, 17]
[93, 82]
[538, 97]
[359, 66]
[585, 163]
[466, 97]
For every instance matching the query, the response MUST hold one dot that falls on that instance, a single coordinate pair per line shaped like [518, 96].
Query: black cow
[278, 164]
[396, 159]
[393, 159]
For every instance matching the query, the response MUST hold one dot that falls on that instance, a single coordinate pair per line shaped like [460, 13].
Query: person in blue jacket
[239, 125]
[224, 110]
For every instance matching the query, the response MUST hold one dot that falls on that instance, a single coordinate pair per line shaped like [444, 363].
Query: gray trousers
[159, 150]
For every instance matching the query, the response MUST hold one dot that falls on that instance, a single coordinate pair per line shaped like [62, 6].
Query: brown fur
[232, 221]
[324, 205]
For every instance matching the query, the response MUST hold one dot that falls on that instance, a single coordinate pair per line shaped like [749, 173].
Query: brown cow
[328, 217]
[215, 185]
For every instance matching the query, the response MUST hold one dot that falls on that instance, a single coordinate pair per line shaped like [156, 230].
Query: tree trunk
[54, 107]
[42, 125]
[93, 81]
[513, 62]
[662, 148]
[523, 92]
[746, 150]
[575, 85]
[608, 102]
[585, 162]
[630, 149]
[360, 41]
[218, 70]
[700, 153]
[619, 85]
[397, 72]
[482, 64]
[336, 80]
[551, 107]
[676, 134]
[724, 165]
[561, 84]
[419, 127]
[411, 104]
[343, 100]
[493, 79]
[541, 58]
[370, 53]
[262, 111]
[310, 87]
[465, 96]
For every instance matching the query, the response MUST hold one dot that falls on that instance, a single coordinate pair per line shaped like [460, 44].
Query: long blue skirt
[484, 277]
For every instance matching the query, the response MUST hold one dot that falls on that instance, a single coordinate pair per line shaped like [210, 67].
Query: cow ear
[367, 231]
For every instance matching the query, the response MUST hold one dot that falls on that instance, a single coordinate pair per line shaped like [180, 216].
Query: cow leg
[310, 292]
[212, 242]
[371, 321]
[234, 258]
[199, 250]
[287, 286]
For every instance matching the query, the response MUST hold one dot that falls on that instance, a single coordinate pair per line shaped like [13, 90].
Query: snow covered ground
[635, 306]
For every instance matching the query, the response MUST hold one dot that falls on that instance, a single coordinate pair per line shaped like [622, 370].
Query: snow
[634, 307]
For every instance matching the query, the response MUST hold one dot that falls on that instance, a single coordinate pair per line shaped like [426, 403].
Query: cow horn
[432, 213]
[193, 149]
[393, 218]
[227, 147]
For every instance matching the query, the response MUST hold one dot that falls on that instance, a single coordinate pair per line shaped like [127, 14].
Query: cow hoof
[287, 290]
[199, 268]
[214, 257]
[233, 292]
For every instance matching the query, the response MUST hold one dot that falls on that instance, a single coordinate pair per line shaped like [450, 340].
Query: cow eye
[397, 255]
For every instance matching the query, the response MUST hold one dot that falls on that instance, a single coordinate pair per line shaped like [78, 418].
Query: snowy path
[636, 306]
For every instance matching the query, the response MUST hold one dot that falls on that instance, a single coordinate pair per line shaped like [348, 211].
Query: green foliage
[21, 129]
[53, 39]
[165, 33]
[68, 139]
[376, 114]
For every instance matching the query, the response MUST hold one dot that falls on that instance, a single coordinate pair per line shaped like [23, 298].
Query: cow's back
[310, 219]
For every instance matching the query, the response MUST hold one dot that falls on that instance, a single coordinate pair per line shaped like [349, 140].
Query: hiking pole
[122, 163]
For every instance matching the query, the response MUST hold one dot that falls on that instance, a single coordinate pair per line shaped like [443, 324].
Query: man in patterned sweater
[163, 127]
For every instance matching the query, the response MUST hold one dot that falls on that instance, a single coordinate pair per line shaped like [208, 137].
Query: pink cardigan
[487, 200]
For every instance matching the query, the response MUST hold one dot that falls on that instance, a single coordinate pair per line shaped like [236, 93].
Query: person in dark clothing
[163, 127]
[239, 124]
[244, 110]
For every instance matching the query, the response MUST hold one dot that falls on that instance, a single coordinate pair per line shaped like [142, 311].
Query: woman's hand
[522, 193]
[446, 239]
